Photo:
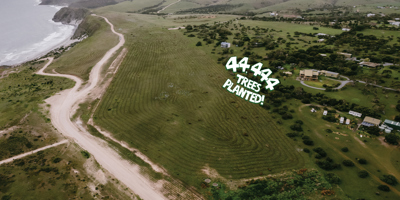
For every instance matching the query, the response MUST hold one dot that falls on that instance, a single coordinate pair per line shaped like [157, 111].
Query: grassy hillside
[79, 60]
[167, 101]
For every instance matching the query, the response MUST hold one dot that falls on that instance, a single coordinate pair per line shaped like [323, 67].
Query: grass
[80, 59]
[167, 101]
[322, 80]
[20, 93]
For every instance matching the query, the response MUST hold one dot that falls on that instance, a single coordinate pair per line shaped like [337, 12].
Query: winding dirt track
[61, 111]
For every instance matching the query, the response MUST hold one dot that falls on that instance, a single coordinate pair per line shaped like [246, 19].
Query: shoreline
[38, 50]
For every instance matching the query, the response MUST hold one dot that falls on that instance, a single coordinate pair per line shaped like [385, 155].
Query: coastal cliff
[69, 15]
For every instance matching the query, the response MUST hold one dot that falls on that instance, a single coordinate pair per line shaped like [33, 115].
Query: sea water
[27, 30]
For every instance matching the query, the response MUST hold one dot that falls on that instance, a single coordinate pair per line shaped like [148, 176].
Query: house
[397, 19]
[394, 23]
[368, 64]
[309, 74]
[330, 74]
[341, 120]
[369, 121]
[392, 124]
[386, 128]
[345, 29]
[370, 15]
[347, 121]
[324, 55]
[347, 55]
[313, 110]
[325, 112]
[225, 44]
[357, 114]
[321, 40]
[288, 73]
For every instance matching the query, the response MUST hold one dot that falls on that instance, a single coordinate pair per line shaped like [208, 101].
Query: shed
[341, 120]
[347, 121]
[321, 40]
[347, 55]
[225, 44]
[369, 121]
[325, 112]
[357, 114]
[392, 124]
[345, 29]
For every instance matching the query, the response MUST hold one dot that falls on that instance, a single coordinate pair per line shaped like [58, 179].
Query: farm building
[225, 44]
[368, 64]
[392, 124]
[322, 54]
[320, 34]
[347, 55]
[357, 114]
[370, 15]
[369, 121]
[309, 74]
[394, 23]
[345, 29]
[330, 74]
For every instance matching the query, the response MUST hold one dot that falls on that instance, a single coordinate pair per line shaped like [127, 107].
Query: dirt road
[32, 152]
[61, 111]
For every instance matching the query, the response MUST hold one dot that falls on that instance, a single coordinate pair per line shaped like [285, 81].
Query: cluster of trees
[222, 8]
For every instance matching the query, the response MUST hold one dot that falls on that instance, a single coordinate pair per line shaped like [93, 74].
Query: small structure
[370, 15]
[369, 121]
[397, 19]
[321, 34]
[225, 44]
[392, 124]
[309, 74]
[347, 121]
[394, 23]
[368, 64]
[345, 29]
[325, 112]
[341, 120]
[357, 114]
[346, 55]
[321, 40]
[288, 73]
[330, 74]
[313, 110]
[322, 54]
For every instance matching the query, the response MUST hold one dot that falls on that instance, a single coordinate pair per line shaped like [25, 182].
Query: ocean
[27, 31]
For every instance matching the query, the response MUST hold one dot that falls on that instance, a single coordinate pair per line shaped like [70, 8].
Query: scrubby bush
[345, 149]
[308, 142]
[85, 154]
[362, 161]
[348, 163]
[333, 178]
[306, 150]
[389, 179]
[326, 165]
[392, 138]
[384, 188]
[363, 174]
[292, 135]
[320, 151]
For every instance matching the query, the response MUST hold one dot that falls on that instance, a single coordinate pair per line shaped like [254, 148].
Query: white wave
[63, 33]
[57, 7]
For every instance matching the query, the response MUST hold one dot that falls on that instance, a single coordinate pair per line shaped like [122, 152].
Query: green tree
[392, 138]
[198, 44]
[389, 179]
[348, 163]
[333, 178]
[363, 174]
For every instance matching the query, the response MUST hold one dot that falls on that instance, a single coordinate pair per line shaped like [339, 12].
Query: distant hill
[81, 3]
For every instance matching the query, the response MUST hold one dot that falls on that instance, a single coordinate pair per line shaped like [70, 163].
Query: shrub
[306, 150]
[85, 154]
[291, 135]
[326, 165]
[305, 101]
[320, 151]
[362, 161]
[348, 163]
[57, 160]
[308, 142]
[328, 130]
[198, 44]
[384, 188]
[389, 179]
[345, 149]
[191, 35]
[305, 137]
[392, 138]
[296, 127]
[333, 178]
[363, 174]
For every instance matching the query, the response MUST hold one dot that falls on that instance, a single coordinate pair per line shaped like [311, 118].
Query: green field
[320, 83]
[80, 59]
[167, 101]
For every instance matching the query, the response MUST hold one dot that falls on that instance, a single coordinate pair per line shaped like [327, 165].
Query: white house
[345, 29]
[370, 15]
[357, 114]
[347, 121]
[325, 112]
[341, 120]
[225, 44]
[320, 34]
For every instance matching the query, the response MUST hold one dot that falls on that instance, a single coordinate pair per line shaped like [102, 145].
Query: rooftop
[372, 120]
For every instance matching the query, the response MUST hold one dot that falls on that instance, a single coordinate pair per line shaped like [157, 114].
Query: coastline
[40, 48]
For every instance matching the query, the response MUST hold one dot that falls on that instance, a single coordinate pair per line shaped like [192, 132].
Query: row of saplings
[328, 163]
